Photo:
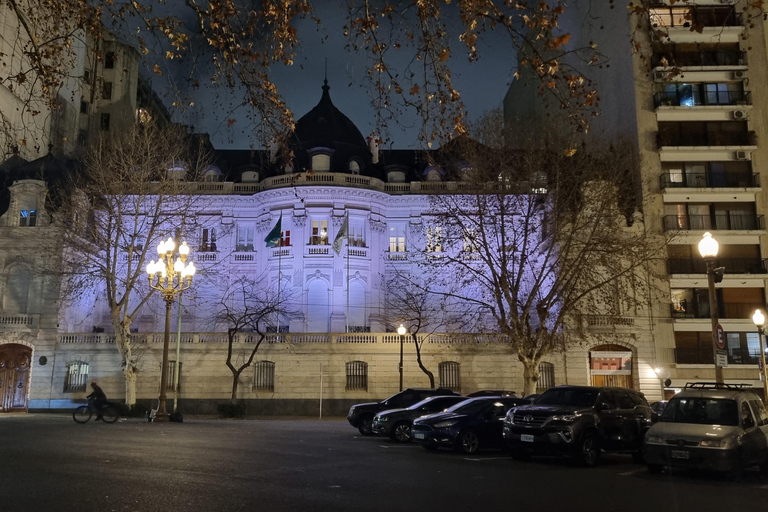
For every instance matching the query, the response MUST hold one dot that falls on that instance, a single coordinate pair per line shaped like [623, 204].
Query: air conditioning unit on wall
[740, 114]
[743, 155]
[739, 75]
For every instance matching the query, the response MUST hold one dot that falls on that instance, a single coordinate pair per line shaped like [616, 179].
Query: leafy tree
[118, 208]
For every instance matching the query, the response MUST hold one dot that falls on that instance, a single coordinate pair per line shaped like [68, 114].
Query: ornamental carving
[337, 221]
[300, 221]
[378, 226]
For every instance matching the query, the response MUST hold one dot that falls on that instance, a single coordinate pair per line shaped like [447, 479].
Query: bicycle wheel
[109, 414]
[82, 414]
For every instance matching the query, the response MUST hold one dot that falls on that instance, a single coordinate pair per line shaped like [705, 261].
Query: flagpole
[279, 275]
[347, 237]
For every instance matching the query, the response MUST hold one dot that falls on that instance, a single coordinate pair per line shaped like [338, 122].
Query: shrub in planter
[231, 410]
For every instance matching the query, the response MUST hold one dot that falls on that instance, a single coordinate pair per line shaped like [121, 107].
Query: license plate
[528, 438]
[680, 454]
[418, 435]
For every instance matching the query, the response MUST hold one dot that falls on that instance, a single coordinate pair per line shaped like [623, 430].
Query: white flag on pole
[341, 235]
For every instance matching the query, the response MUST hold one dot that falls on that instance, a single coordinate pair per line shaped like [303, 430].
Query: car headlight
[566, 418]
[382, 418]
[510, 417]
[654, 439]
[716, 443]
[445, 424]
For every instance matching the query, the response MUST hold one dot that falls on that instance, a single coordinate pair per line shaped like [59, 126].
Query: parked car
[658, 407]
[491, 392]
[360, 416]
[396, 423]
[467, 426]
[710, 426]
[579, 421]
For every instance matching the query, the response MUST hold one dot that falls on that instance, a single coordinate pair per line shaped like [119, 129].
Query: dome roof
[325, 126]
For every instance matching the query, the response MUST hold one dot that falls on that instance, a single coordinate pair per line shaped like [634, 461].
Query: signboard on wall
[610, 363]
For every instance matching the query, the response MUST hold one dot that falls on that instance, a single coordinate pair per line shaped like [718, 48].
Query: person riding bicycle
[98, 399]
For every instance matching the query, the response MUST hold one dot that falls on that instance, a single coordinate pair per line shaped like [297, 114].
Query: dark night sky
[482, 85]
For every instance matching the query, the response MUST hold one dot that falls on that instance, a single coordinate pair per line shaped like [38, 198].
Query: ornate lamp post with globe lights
[759, 319]
[708, 248]
[170, 278]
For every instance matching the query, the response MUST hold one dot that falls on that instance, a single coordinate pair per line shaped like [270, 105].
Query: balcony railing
[732, 265]
[700, 58]
[727, 310]
[707, 139]
[686, 17]
[705, 356]
[699, 97]
[709, 180]
[722, 220]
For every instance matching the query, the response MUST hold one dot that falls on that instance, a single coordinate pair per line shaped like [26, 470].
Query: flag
[341, 235]
[273, 238]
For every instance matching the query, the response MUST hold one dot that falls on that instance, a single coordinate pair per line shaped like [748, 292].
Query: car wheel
[522, 455]
[401, 432]
[468, 442]
[655, 468]
[366, 426]
[588, 450]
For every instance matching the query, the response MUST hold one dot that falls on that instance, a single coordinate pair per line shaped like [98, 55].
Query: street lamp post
[401, 332]
[759, 319]
[170, 278]
[708, 248]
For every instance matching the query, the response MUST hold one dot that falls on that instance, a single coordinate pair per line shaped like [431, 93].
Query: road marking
[486, 458]
[627, 473]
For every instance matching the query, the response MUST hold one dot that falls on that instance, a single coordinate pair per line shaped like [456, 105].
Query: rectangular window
[208, 240]
[319, 233]
[285, 238]
[397, 238]
[105, 122]
[109, 60]
[356, 233]
[82, 138]
[83, 107]
[546, 377]
[171, 384]
[434, 239]
[470, 241]
[264, 376]
[245, 238]
[357, 375]
[106, 91]
[76, 377]
[450, 375]
[87, 76]
[28, 218]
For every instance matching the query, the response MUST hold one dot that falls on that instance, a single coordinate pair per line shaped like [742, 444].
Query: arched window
[321, 162]
[450, 375]
[357, 375]
[318, 313]
[18, 291]
[354, 167]
[546, 377]
[264, 376]
[76, 377]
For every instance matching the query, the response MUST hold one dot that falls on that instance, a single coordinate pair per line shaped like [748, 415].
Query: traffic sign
[720, 337]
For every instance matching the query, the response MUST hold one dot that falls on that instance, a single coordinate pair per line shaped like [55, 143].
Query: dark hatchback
[467, 426]
[397, 423]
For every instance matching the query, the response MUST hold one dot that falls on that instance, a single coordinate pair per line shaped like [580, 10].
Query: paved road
[49, 463]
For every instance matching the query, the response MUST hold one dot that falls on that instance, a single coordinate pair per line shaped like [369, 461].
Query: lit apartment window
[397, 238]
[208, 240]
[76, 377]
[245, 238]
[319, 233]
[27, 218]
[106, 91]
[357, 375]
[546, 377]
[264, 376]
[285, 238]
[356, 233]
[434, 239]
[450, 375]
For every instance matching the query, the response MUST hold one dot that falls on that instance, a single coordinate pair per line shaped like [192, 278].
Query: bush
[231, 410]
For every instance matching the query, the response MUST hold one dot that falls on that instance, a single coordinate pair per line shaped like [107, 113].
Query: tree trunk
[530, 375]
[130, 370]
[130, 373]
[235, 382]
[421, 365]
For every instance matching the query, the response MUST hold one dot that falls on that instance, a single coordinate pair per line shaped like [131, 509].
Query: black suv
[361, 415]
[580, 421]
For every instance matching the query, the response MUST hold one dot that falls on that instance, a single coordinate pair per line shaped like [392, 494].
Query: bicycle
[83, 413]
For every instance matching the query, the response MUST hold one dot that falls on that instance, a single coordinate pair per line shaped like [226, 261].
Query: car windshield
[470, 406]
[580, 397]
[424, 402]
[701, 411]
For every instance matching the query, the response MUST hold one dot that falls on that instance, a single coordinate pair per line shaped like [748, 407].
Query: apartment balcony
[706, 58]
[725, 221]
[696, 24]
[285, 251]
[703, 139]
[732, 265]
[322, 251]
[709, 180]
[736, 311]
[396, 256]
[244, 257]
[705, 356]
[701, 98]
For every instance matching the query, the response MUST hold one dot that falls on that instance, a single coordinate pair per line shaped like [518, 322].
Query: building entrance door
[14, 377]
[611, 365]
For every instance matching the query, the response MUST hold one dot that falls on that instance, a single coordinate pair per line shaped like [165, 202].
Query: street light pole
[759, 319]
[401, 332]
[708, 248]
[170, 279]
